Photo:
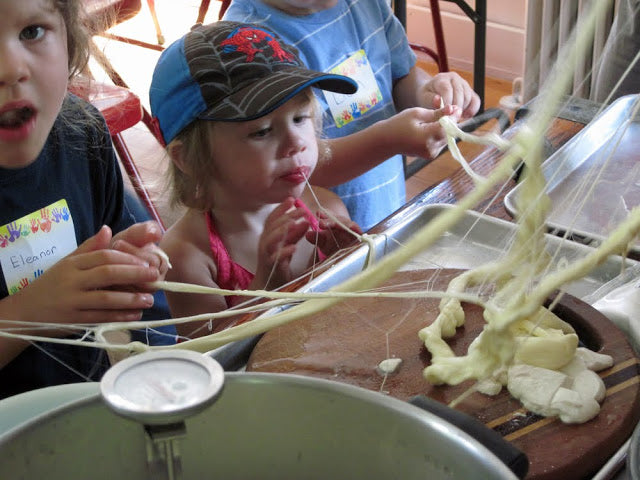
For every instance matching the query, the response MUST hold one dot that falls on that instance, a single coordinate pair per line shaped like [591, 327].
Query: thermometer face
[162, 387]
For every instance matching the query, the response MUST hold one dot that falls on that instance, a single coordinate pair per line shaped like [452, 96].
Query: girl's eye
[302, 118]
[260, 133]
[32, 32]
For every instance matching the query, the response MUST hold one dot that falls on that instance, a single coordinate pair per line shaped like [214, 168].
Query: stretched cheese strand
[454, 132]
[495, 348]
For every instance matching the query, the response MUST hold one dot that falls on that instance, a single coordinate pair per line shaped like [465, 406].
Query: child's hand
[283, 229]
[453, 90]
[140, 240]
[85, 287]
[332, 237]
[416, 131]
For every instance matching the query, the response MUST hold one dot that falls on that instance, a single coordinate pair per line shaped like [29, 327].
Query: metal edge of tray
[573, 154]
[479, 228]
[483, 229]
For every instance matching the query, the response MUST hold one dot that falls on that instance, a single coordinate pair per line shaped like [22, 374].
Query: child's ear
[176, 152]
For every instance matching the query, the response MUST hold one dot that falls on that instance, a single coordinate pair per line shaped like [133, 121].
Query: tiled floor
[135, 64]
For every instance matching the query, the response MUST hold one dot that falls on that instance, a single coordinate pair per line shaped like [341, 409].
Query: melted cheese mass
[523, 345]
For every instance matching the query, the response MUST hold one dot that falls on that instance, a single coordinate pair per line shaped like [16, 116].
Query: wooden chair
[204, 7]
[118, 11]
[439, 55]
[478, 15]
[120, 107]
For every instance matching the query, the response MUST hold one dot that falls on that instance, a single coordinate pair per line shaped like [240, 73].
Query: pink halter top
[231, 275]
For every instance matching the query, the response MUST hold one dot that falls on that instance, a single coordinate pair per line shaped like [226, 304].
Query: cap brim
[270, 92]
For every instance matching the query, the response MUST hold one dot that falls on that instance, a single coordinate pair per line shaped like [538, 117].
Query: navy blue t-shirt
[77, 165]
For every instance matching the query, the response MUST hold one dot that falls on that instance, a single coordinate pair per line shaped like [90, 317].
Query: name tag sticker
[346, 108]
[33, 243]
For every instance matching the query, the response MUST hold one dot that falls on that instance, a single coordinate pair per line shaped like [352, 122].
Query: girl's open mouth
[16, 118]
[16, 124]
[296, 176]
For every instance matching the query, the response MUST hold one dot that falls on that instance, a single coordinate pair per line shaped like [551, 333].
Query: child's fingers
[353, 226]
[113, 276]
[151, 254]
[97, 258]
[141, 234]
[95, 316]
[100, 240]
[315, 238]
[284, 207]
[286, 234]
[114, 301]
[295, 230]
[165, 263]
[282, 255]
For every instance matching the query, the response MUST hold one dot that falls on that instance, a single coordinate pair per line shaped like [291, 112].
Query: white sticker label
[347, 108]
[33, 243]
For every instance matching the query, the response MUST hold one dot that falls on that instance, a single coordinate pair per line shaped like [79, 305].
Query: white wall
[506, 20]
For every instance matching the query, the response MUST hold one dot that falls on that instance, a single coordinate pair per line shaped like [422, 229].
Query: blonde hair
[191, 185]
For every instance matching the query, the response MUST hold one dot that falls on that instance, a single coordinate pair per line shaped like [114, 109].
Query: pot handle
[515, 459]
[233, 356]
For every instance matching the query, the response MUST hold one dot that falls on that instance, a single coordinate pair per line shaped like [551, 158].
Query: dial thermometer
[163, 387]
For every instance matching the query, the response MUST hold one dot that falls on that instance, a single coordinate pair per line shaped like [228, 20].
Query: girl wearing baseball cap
[235, 107]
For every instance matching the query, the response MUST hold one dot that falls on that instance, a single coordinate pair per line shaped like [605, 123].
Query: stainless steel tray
[474, 240]
[594, 179]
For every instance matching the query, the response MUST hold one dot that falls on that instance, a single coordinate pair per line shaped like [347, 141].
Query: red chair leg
[428, 51]
[202, 11]
[204, 6]
[223, 8]
[156, 23]
[443, 63]
[439, 56]
[135, 177]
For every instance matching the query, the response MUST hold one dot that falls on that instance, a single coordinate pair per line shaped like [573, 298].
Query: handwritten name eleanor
[21, 260]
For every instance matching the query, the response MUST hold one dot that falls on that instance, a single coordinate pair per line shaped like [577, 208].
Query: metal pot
[633, 455]
[262, 426]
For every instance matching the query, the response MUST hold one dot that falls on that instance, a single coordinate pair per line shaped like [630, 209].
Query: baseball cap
[230, 71]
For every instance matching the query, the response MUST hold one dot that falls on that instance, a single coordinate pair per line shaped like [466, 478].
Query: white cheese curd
[572, 394]
[593, 360]
[575, 366]
[589, 385]
[572, 407]
[489, 386]
[389, 365]
[535, 387]
[552, 351]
